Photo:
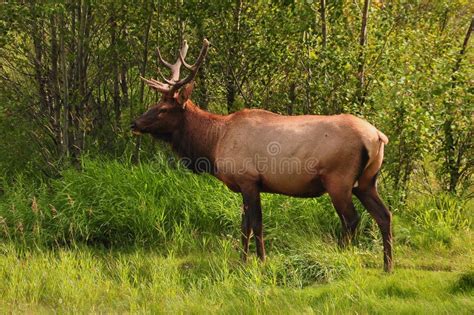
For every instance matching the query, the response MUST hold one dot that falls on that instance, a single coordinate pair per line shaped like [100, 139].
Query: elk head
[167, 115]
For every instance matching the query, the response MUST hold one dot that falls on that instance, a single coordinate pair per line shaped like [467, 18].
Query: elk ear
[185, 93]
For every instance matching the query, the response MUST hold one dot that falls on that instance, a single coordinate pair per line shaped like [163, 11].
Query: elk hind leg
[371, 200]
[341, 198]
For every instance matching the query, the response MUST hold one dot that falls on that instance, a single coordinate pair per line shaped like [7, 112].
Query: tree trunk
[123, 75]
[54, 81]
[322, 12]
[180, 22]
[143, 66]
[361, 93]
[444, 22]
[292, 98]
[203, 100]
[115, 71]
[65, 89]
[82, 66]
[231, 87]
[307, 65]
[38, 58]
[453, 160]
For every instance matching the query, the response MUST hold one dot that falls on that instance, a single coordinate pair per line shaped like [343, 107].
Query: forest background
[79, 193]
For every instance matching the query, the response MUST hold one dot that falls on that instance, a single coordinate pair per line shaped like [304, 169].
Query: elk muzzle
[134, 128]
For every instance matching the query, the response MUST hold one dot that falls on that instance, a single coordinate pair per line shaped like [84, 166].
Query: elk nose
[133, 126]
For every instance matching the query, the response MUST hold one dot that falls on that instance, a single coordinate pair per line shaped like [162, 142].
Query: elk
[254, 151]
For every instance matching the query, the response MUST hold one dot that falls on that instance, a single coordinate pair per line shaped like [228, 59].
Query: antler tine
[193, 68]
[161, 60]
[185, 64]
[174, 83]
[174, 71]
[157, 85]
[164, 78]
[201, 57]
[183, 51]
[175, 68]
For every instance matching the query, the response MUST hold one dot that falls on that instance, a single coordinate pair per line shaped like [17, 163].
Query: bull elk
[254, 151]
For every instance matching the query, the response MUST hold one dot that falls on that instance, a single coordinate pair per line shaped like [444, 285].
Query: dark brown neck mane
[195, 142]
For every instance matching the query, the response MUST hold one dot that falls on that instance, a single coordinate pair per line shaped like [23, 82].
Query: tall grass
[157, 238]
[115, 203]
[154, 204]
[438, 219]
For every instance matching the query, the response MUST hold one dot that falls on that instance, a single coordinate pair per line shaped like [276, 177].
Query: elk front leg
[246, 230]
[253, 220]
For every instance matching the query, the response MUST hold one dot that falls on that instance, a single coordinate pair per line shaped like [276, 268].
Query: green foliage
[265, 54]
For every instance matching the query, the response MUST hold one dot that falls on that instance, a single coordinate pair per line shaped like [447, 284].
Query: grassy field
[153, 238]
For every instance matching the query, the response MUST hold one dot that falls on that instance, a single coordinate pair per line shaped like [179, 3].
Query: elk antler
[172, 84]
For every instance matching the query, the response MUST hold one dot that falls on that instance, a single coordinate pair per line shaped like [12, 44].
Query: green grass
[84, 279]
[156, 239]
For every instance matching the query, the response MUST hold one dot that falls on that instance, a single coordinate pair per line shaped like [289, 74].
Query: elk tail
[382, 137]
[374, 162]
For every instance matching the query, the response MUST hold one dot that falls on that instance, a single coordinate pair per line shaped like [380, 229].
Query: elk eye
[162, 110]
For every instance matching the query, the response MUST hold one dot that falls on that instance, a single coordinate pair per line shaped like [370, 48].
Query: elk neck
[197, 139]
